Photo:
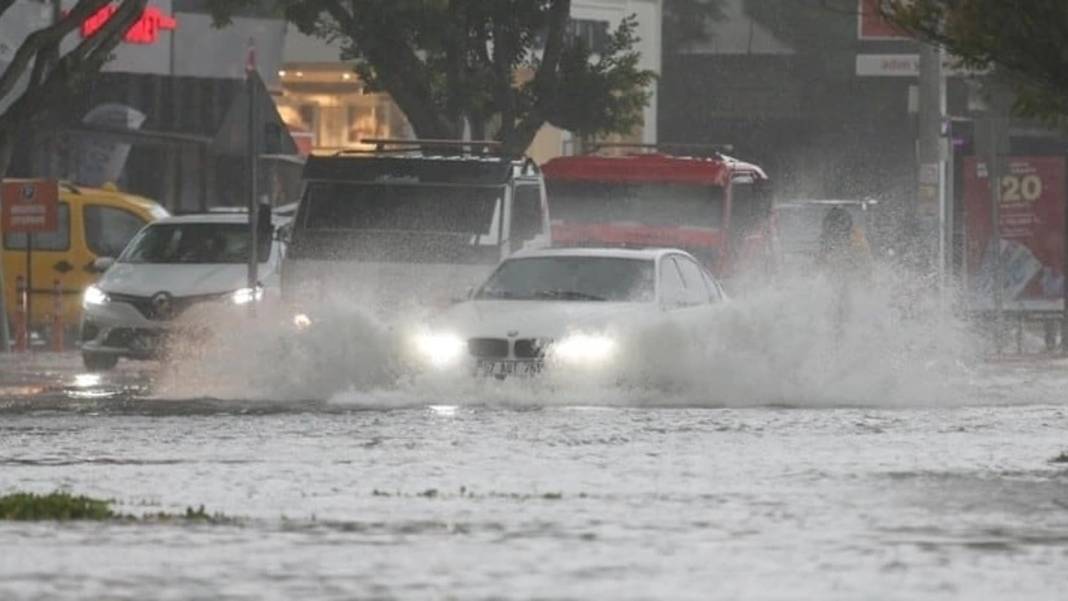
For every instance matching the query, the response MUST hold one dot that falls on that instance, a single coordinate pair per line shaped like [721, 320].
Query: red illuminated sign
[145, 31]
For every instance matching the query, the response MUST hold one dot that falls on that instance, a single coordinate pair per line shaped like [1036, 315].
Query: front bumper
[118, 328]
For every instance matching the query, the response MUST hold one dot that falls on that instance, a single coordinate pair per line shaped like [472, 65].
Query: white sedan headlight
[245, 296]
[583, 349]
[440, 350]
[94, 296]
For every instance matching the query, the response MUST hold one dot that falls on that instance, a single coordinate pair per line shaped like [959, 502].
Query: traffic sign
[30, 206]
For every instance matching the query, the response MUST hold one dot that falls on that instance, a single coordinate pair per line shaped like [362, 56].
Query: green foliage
[53, 506]
[612, 77]
[63, 506]
[505, 67]
[1027, 40]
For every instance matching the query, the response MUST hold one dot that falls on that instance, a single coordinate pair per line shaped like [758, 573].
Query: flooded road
[433, 499]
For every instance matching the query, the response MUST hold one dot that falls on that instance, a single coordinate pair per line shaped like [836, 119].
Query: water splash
[894, 344]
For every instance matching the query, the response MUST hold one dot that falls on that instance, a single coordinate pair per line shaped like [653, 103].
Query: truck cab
[412, 224]
[713, 206]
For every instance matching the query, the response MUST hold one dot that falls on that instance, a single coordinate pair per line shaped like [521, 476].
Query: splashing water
[799, 342]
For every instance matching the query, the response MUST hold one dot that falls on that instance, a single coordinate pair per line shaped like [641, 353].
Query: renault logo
[162, 304]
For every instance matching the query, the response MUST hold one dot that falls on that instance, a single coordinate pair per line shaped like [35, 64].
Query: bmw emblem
[513, 333]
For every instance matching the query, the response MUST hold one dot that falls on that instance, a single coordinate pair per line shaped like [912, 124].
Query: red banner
[1031, 220]
[30, 206]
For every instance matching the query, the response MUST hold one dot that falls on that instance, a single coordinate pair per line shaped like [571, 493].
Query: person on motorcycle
[845, 257]
[843, 249]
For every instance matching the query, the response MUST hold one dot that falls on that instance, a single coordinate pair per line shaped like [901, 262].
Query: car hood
[142, 279]
[538, 319]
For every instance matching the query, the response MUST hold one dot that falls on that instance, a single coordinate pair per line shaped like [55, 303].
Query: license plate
[506, 369]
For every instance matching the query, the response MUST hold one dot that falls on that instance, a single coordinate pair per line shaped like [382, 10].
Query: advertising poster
[1032, 232]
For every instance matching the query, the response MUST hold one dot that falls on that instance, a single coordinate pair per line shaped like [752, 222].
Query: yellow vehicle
[93, 222]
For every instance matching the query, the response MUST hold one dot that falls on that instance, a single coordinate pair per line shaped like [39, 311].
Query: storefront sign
[145, 31]
[1033, 195]
[904, 65]
[30, 206]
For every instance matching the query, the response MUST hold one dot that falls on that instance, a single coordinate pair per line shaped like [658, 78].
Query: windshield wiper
[567, 295]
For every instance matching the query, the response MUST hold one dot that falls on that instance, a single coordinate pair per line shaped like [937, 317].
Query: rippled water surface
[430, 498]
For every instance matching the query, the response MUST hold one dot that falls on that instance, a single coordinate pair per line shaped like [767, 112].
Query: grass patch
[63, 506]
[54, 506]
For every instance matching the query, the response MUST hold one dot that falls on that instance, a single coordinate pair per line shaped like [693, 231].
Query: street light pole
[931, 206]
[252, 167]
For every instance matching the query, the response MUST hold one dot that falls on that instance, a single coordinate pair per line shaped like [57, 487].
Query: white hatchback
[562, 307]
[169, 267]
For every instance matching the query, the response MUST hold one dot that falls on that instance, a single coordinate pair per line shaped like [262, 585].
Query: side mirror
[102, 264]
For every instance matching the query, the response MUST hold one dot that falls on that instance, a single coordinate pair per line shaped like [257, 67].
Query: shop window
[107, 229]
[57, 240]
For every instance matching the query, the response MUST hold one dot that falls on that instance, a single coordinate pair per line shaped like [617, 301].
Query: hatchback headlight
[440, 350]
[245, 296]
[583, 349]
[94, 297]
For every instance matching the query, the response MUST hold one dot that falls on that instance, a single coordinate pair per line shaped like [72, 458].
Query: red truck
[716, 207]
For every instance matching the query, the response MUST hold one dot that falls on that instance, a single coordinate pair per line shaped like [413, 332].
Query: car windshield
[653, 204]
[407, 222]
[193, 243]
[572, 278]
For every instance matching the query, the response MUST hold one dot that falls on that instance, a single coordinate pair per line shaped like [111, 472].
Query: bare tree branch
[45, 37]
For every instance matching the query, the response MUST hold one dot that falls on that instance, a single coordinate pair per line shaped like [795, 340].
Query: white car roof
[234, 217]
[649, 254]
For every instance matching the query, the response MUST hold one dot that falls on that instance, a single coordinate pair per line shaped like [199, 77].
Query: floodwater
[933, 482]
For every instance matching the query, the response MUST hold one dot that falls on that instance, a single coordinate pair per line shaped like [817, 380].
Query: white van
[400, 229]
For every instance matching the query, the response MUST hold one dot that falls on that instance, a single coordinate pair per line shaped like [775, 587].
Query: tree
[1028, 40]
[503, 68]
[40, 75]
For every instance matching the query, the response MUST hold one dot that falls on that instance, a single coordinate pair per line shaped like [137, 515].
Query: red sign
[1031, 227]
[145, 31]
[872, 26]
[30, 206]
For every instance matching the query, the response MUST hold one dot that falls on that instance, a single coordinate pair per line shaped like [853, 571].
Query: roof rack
[715, 149]
[403, 145]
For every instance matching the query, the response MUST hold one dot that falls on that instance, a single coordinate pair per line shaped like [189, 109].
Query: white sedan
[563, 308]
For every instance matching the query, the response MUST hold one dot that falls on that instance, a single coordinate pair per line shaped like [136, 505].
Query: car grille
[497, 348]
[125, 337]
[178, 304]
[529, 348]
[488, 348]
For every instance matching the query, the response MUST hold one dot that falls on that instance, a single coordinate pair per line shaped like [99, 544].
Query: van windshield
[193, 243]
[390, 221]
[652, 204]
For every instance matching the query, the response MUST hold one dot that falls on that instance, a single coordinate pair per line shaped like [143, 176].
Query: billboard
[1032, 232]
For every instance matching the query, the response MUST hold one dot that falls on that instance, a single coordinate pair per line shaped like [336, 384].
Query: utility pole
[252, 175]
[930, 206]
